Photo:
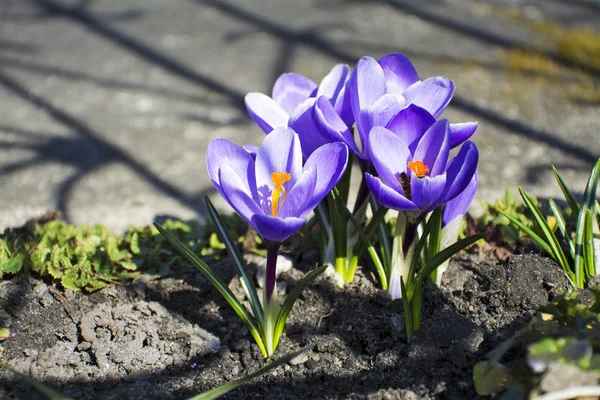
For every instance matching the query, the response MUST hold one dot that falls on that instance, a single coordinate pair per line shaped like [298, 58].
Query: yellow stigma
[278, 178]
[418, 168]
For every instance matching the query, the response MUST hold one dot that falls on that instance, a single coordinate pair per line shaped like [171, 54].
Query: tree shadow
[87, 152]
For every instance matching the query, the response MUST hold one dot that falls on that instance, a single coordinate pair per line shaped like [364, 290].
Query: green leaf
[129, 265]
[435, 233]
[134, 244]
[408, 317]
[217, 282]
[238, 261]
[366, 242]
[228, 387]
[566, 192]
[47, 391]
[557, 252]
[562, 225]
[291, 299]
[12, 265]
[588, 247]
[589, 202]
[448, 252]
[490, 378]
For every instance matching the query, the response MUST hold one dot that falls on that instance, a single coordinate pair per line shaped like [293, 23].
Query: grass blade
[542, 223]
[47, 391]
[228, 387]
[217, 282]
[365, 239]
[291, 299]
[446, 253]
[589, 202]
[562, 225]
[588, 247]
[385, 246]
[529, 232]
[246, 279]
[566, 192]
[408, 319]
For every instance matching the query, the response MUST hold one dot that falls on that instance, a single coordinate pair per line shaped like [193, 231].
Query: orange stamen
[418, 168]
[278, 178]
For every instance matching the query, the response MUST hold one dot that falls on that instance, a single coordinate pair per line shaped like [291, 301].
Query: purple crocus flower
[418, 177]
[319, 115]
[379, 90]
[274, 192]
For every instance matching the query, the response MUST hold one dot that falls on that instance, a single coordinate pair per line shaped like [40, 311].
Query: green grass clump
[90, 258]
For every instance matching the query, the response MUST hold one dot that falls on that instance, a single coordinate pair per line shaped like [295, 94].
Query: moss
[91, 257]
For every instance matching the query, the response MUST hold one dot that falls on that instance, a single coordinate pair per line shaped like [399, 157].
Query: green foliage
[503, 232]
[91, 258]
[565, 334]
[576, 245]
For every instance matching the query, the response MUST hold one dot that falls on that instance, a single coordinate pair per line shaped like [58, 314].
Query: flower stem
[271, 271]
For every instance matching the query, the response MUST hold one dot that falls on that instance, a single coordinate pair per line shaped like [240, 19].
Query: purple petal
[298, 197]
[387, 196]
[389, 155]
[399, 72]
[303, 122]
[236, 195]
[459, 133]
[222, 152]
[343, 106]
[411, 124]
[291, 89]
[367, 84]
[276, 229]
[458, 206]
[333, 83]
[378, 114]
[265, 111]
[279, 152]
[432, 94]
[331, 125]
[461, 170]
[427, 192]
[433, 148]
[330, 161]
[251, 149]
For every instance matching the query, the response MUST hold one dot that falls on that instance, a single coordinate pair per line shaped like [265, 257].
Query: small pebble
[300, 359]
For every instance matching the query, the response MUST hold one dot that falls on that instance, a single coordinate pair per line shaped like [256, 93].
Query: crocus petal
[458, 206]
[367, 84]
[378, 114]
[303, 122]
[223, 152]
[298, 197]
[411, 124]
[332, 126]
[432, 94]
[399, 72]
[389, 155]
[387, 196]
[265, 111]
[279, 152]
[433, 148]
[333, 83]
[330, 161]
[461, 169]
[291, 89]
[427, 192]
[459, 133]
[276, 229]
[343, 106]
[236, 195]
[251, 149]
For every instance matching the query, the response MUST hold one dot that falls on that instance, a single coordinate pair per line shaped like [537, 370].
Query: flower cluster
[385, 117]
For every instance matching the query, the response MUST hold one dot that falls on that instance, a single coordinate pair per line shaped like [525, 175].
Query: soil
[175, 337]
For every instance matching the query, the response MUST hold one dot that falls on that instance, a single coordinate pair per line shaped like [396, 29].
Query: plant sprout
[576, 248]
